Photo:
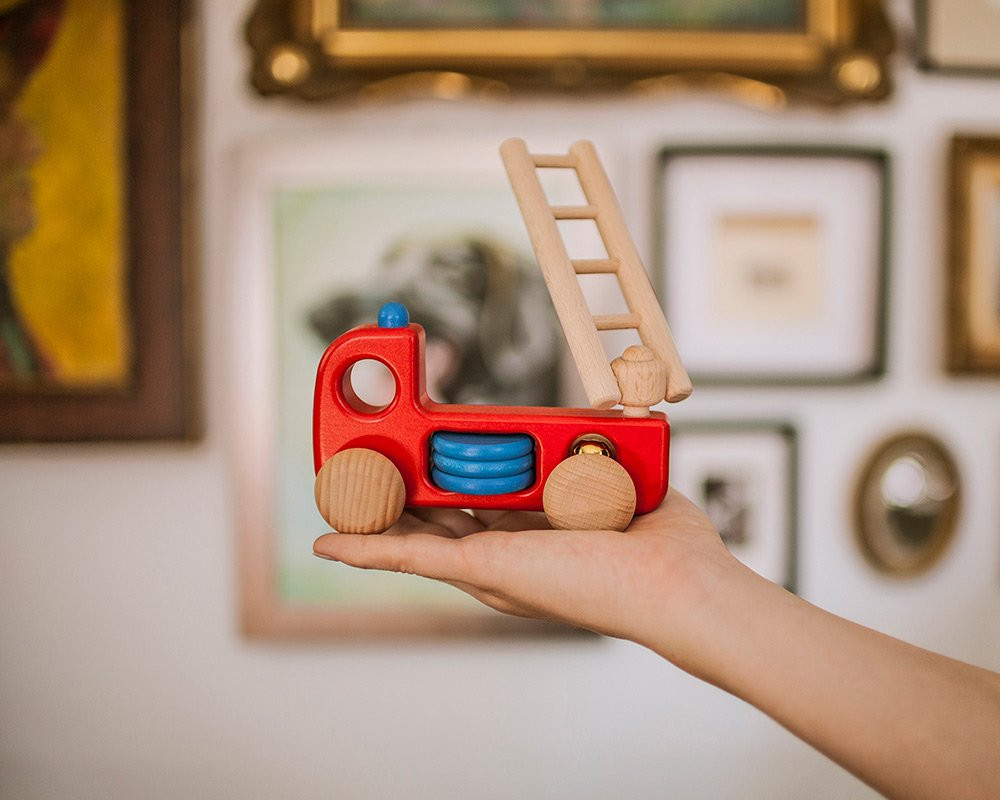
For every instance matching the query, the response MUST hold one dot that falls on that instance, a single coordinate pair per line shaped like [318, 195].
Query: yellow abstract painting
[67, 274]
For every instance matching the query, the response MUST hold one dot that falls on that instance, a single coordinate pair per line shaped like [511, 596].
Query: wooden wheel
[589, 492]
[359, 491]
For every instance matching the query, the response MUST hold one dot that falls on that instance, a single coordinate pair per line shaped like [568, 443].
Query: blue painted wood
[482, 446]
[483, 469]
[483, 486]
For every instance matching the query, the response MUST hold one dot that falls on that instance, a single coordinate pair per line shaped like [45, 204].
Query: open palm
[606, 581]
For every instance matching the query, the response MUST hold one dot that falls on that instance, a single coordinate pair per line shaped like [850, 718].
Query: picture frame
[772, 262]
[325, 225]
[958, 36]
[973, 324]
[825, 51]
[907, 503]
[102, 339]
[744, 475]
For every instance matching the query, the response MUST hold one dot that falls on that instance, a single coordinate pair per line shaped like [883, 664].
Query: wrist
[698, 627]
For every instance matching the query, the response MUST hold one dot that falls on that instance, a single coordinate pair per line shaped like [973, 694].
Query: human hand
[624, 584]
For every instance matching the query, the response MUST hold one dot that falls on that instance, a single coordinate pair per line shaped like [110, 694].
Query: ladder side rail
[632, 276]
[560, 277]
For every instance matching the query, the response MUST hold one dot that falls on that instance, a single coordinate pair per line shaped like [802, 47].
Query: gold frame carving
[309, 49]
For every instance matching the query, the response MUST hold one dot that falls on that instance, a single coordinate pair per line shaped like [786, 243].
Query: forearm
[908, 722]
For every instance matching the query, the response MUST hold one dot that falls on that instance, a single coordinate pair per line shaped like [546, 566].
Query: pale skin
[910, 723]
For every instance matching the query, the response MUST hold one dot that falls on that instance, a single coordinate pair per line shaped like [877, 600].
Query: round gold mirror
[906, 503]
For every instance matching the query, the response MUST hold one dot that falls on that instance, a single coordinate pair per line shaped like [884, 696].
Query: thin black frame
[882, 161]
[786, 430]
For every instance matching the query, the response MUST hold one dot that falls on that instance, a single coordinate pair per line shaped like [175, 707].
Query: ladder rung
[574, 212]
[554, 160]
[595, 266]
[616, 322]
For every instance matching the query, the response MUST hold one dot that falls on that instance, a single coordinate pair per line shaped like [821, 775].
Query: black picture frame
[722, 451]
[871, 356]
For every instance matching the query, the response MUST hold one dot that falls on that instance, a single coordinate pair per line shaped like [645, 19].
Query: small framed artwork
[772, 263]
[95, 336]
[826, 51]
[959, 35]
[329, 229]
[974, 255]
[907, 500]
[744, 476]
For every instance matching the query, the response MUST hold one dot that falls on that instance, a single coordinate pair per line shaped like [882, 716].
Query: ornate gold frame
[881, 544]
[307, 48]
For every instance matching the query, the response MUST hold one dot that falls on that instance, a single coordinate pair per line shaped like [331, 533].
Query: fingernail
[325, 557]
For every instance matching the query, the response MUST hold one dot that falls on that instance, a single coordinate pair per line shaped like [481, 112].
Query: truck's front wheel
[359, 491]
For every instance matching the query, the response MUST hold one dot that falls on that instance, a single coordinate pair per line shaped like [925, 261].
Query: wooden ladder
[560, 271]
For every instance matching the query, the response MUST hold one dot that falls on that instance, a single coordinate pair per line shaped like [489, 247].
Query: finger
[503, 520]
[455, 522]
[427, 554]
[410, 523]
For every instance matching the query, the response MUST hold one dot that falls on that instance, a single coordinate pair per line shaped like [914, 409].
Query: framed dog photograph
[974, 255]
[743, 475]
[328, 230]
[772, 262]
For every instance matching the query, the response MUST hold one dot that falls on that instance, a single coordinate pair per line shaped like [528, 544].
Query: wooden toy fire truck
[587, 469]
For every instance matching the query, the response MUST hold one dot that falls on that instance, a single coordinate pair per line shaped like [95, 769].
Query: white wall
[121, 671]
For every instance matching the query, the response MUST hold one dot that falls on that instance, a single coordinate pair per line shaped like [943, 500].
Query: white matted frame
[312, 218]
[772, 263]
[744, 475]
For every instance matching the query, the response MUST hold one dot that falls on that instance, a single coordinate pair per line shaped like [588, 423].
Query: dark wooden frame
[882, 160]
[963, 353]
[158, 400]
[312, 50]
[779, 428]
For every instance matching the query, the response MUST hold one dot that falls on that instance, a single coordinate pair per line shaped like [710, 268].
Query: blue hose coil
[482, 446]
[483, 486]
[462, 468]
[482, 463]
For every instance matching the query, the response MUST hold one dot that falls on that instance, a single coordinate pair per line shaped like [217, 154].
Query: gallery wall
[123, 669]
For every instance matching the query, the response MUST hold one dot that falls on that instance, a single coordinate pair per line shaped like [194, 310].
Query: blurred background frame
[959, 36]
[973, 339]
[824, 51]
[785, 261]
[142, 384]
[744, 475]
[323, 242]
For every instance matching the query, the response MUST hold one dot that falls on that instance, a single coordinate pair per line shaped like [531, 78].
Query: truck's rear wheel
[589, 492]
[359, 491]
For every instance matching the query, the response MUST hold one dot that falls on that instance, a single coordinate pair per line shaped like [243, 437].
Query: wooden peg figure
[642, 380]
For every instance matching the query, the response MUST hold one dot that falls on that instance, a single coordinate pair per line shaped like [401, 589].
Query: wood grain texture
[632, 275]
[560, 276]
[642, 378]
[359, 491]
[589, 492]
